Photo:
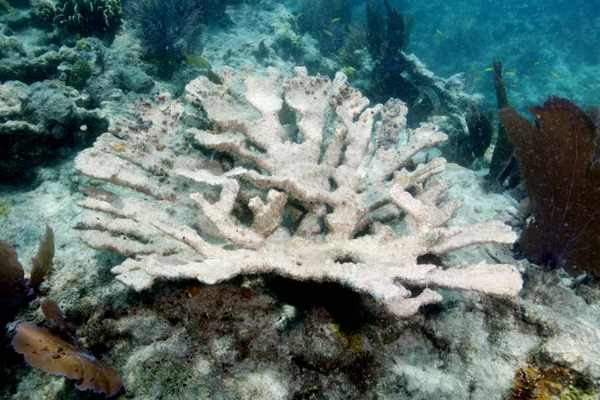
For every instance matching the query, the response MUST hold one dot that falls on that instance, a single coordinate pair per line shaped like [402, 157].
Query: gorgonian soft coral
[555, 156]
[15, 289]
[58, 351]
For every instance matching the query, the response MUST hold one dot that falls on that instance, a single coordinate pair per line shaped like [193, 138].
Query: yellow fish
[338, 19]
[555, 74]
[349, 70]
[440, 33]
[537, 62]
[477, 79]
[510, 73]
[196, 60]
[489, 69]
[328, 33]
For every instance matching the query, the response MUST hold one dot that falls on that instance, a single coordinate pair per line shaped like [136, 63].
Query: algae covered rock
[28, 68]
[39, 121]
[80, 73]
[132, 78]
[44, 12]
[5, 7]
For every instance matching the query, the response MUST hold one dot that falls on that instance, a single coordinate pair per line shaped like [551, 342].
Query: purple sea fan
[555, 155]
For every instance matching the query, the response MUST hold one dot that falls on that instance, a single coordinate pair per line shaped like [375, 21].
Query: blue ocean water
[548, 47]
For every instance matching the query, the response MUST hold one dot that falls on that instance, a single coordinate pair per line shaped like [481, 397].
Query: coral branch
[318, 182]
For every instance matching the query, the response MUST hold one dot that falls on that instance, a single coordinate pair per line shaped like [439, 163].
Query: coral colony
[337, 186]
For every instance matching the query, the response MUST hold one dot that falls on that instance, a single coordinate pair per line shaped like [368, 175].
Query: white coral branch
[316, 197]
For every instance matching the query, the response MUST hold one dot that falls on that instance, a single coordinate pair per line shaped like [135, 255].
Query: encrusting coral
[315, 185]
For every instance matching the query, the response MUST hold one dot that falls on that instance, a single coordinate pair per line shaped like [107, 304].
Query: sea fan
[60, 352]
[556, 158]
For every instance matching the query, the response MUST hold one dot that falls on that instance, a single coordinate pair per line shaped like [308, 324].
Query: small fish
[338, 19]
[349, 71]
[328, 33]
[510, 73]
[537, 62]
[555, 74]
[477, 79]
[440, 33]
[526, 77]
[297, 15]
[196, 60]
[489, 69]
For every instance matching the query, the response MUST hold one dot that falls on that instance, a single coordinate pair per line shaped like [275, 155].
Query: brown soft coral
[60, 352]
[54, 355]
[555, 156]
[15, 289]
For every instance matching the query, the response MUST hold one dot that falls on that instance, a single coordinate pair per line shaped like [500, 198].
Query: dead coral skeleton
[310, 194]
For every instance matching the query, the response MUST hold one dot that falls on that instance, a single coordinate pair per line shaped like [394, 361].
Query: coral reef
[88, 17]
[307, 197]
[44, 12]
[264, 36]
[271, 336]
[372, 53]
[17, 64]
[555, 155]
[37, 120]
